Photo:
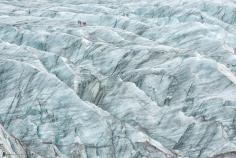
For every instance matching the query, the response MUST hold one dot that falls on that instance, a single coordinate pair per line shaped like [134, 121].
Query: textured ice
[142, 79]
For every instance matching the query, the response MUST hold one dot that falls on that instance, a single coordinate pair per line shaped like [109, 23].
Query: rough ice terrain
[137, 79]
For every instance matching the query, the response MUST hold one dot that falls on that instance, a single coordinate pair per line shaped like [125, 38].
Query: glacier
[139, 79]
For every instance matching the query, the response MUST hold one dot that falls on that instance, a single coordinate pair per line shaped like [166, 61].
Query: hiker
[82, 23]
[79, 22]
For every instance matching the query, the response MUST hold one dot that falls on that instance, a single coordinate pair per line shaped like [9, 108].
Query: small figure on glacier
[81, 23]
[84, 23]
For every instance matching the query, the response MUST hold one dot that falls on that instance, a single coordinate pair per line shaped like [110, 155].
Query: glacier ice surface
[142, 79]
